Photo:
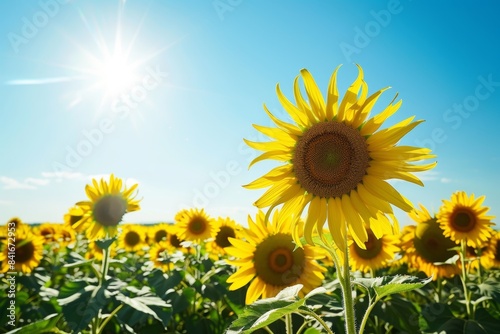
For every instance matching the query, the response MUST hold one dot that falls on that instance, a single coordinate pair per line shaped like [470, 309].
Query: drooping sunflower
[490, 258]
[426, 248]
[225, 228]
[268, 259]
[336, 160]
[378, 252]
[132, 238]
[28, 251]
[464, 218]
[109, 201]
[195, 225]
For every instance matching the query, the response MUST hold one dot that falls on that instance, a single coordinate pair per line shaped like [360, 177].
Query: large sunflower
[28, 250]
[426, 248]
[269, 259]
[195, 225]
[464, 218]
[109, 201]
[377, 253]
[335, 159]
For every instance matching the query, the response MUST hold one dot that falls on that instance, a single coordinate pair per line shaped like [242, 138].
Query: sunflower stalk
[464, 278]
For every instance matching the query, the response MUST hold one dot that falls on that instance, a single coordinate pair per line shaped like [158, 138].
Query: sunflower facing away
[109, 201]
[28, 251]
[464, 218]
[195, 225]
[268, 259]
[426, 248]
[336, 159]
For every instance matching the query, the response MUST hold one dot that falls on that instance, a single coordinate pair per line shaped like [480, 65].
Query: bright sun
[116, 74]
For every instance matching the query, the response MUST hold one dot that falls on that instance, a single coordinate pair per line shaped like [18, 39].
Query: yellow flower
[464, 218]
[226, 228]
[132, 238]
[490, 257]
[72, 217]
[28, 250]
[159, 254]
[336, 160]
[378, 253]
[426, 248]
[268, 259]
[109, 201]
[195, 225]
[158, 233]
[47, 231]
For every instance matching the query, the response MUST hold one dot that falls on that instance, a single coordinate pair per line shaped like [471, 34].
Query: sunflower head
[378, 252]
[464, 218]
[109, 201]
[157, 233]
[28, 251]
[132, 238]
[195, 225]
[336, 160]
[490, 257]
[269, 259]
[225, 228]
[427, 249]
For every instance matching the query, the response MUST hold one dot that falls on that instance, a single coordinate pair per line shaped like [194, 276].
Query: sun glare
[117, 74]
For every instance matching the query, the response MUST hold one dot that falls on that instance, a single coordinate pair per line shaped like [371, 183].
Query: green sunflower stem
[350, 320]
[463, 252]
[288, 324]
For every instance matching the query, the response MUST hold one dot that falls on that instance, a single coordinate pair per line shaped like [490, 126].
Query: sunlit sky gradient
[198, 73]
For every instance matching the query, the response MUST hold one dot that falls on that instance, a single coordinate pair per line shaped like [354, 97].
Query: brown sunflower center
[373, 247]
[330, 159]
[431, 244]
[197, 225]
[463, 220]
[175, 241]
[109, 210]
[276, 262]
[132, 238]
[25, 251]
[160, 235]
[225, 232]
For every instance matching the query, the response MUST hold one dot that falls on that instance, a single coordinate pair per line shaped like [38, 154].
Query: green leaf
[141, 304]
[41, 326]
[105, 243]
[82, 302]
[387, 285]
[266, 311]
[399, 312]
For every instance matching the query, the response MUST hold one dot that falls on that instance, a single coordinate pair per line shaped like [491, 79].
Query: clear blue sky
[201, 71]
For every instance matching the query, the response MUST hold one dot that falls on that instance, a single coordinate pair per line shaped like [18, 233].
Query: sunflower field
[323, 254]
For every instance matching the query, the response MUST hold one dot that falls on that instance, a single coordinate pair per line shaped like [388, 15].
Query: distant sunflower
[65, 236]
[158, 233]
[226, 228]
[195, 225]
[378, 252]
[109, 201]
[464, 218]
[73, 216]
[490, 257]
[132, 238]
[426, 248]
[159, 254]
[335, 160]
[268, 259]
[47, 231]
[28, 251]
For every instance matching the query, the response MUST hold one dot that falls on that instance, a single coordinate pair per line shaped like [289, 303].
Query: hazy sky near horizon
[163, 92]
